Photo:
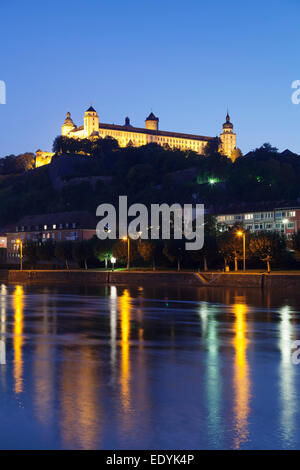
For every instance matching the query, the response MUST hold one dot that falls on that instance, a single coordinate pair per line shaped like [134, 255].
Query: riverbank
[209, 279]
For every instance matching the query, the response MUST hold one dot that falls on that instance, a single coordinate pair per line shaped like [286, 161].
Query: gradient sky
[187, 61]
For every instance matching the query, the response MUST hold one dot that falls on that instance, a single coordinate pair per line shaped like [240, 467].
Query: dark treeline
[17, 164]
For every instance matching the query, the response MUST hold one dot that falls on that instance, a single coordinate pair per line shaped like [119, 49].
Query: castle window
[54, 226]
[45, 227]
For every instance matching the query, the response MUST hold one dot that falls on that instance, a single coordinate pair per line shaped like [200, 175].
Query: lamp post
[113, 260]
[19, 242]
[128, 252]
[285, 223]
[242, 234]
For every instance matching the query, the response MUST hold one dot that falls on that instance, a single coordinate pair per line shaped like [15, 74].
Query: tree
[61, 144]
[230, 246]
[104, 146]
[63, 251]
[120, 250]
[30, 252]
[147, 250]
[236, 153]
[45, 250]
[2, 255]
[296, 245]
[103, 249]
[174, 251]
[82, 251]
[211, 149]
[209, 250]
[266, 246]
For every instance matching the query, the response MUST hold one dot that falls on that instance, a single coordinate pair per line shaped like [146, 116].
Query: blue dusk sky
[185, 60]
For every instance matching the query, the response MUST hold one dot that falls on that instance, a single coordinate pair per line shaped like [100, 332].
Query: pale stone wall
[43, 158]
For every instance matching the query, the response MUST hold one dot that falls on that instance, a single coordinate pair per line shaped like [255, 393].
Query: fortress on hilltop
[127, 134]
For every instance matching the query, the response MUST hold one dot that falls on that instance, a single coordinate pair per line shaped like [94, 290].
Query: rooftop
[141, 130]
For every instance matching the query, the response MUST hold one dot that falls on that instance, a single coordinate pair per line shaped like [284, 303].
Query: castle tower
[91, 122]
[228, 137]
[68, 125]
[151, 122]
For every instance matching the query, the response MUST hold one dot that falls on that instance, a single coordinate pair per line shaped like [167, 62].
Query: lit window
[54, 226]
[45, 227]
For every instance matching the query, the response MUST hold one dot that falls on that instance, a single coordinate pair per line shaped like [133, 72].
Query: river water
[117, 367]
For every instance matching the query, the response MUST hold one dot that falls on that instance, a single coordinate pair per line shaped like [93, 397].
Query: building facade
[129, 135]
[63, 226]
[283, 220]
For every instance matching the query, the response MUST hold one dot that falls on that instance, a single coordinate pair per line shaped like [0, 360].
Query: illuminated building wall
[42, 158]
[129, 135]
[283, 220]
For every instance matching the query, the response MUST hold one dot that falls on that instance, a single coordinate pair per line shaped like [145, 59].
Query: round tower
[228, 138]
[91, 122]
[68, 125]
[151, 122]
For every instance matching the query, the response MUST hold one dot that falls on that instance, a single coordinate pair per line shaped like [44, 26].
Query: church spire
[227, 124]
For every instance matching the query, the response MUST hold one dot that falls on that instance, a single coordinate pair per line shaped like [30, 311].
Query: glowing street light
[113, 261]
[212, 181]
[19, 242]
[240, 233]
[128, 254]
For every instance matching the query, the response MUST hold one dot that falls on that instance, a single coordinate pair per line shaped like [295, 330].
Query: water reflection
[287, 376]
[130, 368]
[44, 364]
[213, 376]
[81, 413]
[18, 305]
[241, 379]
[125, 360]
[113, 333]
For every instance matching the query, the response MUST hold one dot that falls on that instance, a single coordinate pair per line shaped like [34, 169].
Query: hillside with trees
[85, 173]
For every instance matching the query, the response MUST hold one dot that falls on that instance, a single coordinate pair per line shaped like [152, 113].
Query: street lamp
[285, 222]
[128, 253]
[242, 234]
[19, 242]
[113, 261]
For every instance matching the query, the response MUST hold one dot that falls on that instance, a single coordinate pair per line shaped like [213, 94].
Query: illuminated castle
[136, 136]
